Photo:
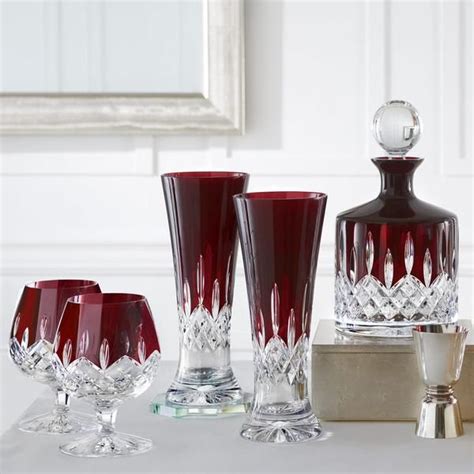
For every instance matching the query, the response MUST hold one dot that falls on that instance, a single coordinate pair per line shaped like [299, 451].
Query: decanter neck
[397, 175]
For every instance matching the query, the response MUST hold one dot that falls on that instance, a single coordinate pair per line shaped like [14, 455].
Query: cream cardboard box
[362, 378]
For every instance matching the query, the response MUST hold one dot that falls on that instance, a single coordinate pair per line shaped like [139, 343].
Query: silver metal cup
[440, 352]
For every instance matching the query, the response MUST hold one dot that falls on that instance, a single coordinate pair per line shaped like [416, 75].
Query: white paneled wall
[316, 72]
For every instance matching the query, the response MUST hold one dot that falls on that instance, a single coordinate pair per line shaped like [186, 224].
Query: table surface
[214, 445]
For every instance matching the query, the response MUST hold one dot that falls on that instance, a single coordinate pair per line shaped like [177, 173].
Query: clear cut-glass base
[282, 428]
[201, 391]
[160, 406]
[376, 330]
[114, 444]
[58, 423]
[204, 387]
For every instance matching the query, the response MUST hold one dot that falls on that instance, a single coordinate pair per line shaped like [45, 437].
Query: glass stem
[61, 403]
[106, 418]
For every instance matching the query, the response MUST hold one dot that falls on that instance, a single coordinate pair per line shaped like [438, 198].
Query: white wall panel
[323, 51]
[83, 209]
[77, 155]
[316, 72]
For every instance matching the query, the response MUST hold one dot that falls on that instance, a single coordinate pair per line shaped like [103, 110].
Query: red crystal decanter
[396, 256]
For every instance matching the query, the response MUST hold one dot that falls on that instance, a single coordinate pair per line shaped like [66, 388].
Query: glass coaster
[159, 406]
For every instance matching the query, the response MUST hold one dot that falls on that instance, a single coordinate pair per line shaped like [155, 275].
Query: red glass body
[280, 234]
[41, 305]
[390, 218]
[123, 321]
[203, 231]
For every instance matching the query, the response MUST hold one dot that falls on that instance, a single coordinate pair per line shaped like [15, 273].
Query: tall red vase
[203, 232]
[280, 234]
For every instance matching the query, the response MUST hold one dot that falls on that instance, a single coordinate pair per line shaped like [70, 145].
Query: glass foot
[204, 395]
[161, 406]
[55, 423]
[291, 431]
[204, 388]
[114, 444]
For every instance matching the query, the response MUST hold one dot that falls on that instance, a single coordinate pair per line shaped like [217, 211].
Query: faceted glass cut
[106, 350]
[203, 232]
[396, 258]
[280, 235]
[31, 347]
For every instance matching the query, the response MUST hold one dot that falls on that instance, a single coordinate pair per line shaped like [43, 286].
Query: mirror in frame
[210, 102]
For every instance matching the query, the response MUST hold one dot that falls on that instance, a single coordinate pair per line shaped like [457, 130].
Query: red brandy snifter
[106, 351]
[31, 348]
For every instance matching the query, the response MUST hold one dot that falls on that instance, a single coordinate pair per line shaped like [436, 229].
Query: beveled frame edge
[219, 110]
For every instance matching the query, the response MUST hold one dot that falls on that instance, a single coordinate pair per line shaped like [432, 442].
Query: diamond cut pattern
[276, 362]
[35, 361]
[200, 331]
[408, 300]
[204, 329]
[124, 378]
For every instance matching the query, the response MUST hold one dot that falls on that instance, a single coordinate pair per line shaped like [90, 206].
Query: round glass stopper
[397, 127]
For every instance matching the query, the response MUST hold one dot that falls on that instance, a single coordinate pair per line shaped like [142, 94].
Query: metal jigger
[440, 352]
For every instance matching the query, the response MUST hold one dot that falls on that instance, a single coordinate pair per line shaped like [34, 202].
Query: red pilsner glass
[31, 342]
[203, 232]
[280, 234]
[396, 261]
[106, 351]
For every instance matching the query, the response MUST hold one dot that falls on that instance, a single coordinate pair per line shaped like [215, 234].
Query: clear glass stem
[280, 393]
[106, 418]
[195, 360]
[204, 378]
[61, 402]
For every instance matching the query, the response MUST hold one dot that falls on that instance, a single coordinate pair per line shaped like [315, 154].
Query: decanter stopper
[397, 127]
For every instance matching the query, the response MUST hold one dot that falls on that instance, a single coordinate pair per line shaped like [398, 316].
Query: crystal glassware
[31, 348]
[396, 256]
[106, 350]
[280, 234]
[440, 353]
[204, 240]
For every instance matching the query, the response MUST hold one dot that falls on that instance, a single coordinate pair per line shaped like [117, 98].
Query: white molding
[105, 259]
[454, 34]
[72, 156]
[281, 163]
[221, 111]
[134, 259]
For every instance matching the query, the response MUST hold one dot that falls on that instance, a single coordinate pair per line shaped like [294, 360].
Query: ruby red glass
[121, 322]
[203, 232]
[31, 341]
[280, 235]
[106, 351]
